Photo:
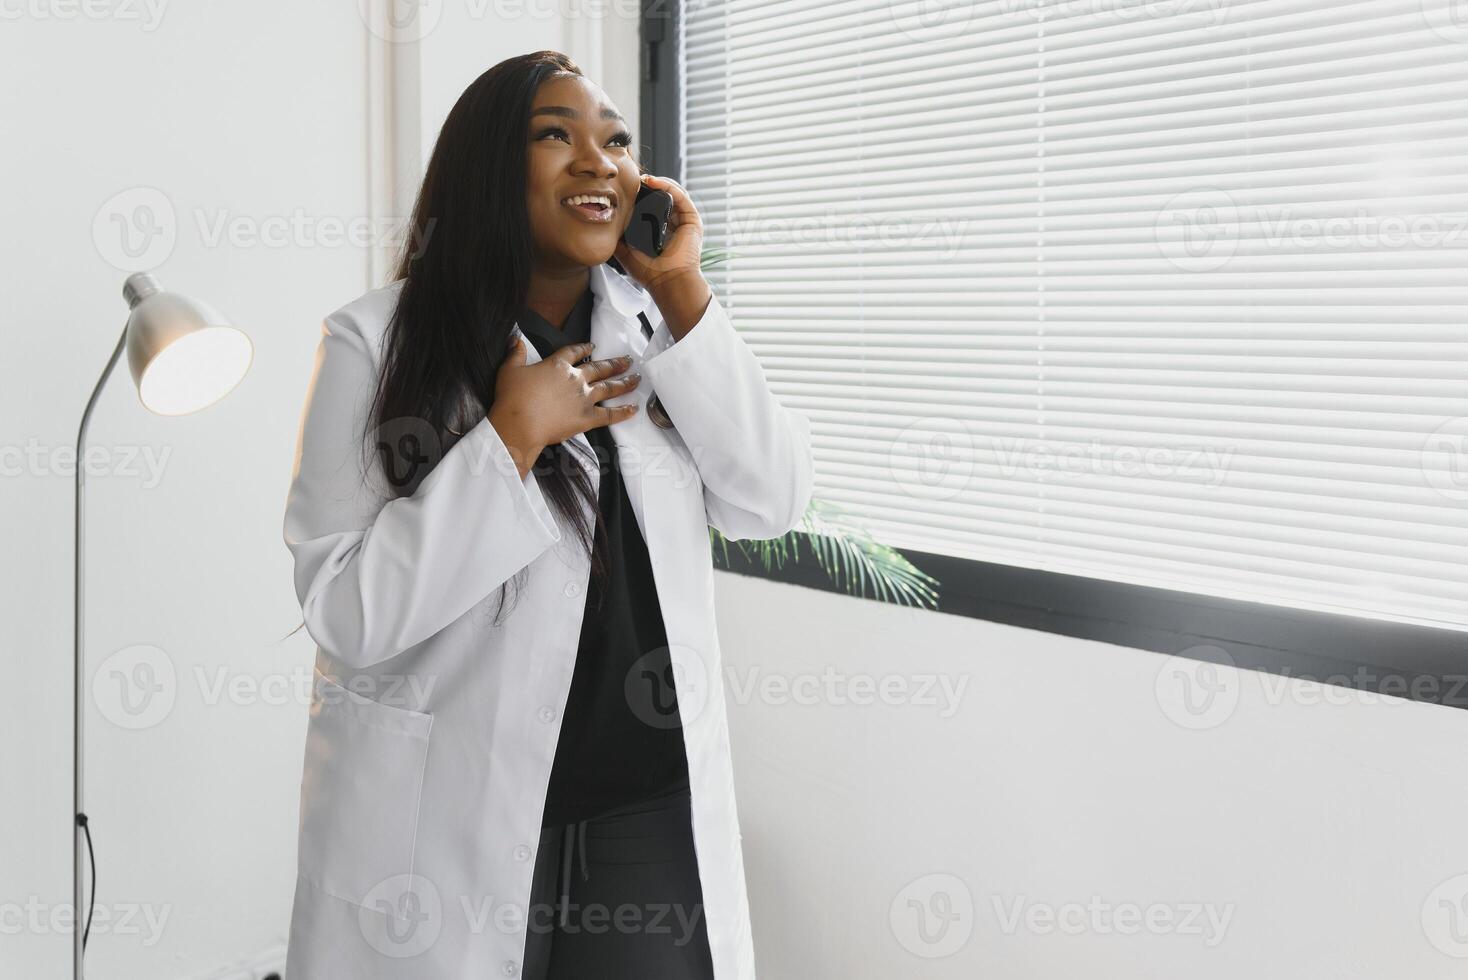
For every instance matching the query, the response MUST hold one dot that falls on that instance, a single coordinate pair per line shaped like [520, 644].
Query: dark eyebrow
[607, 112]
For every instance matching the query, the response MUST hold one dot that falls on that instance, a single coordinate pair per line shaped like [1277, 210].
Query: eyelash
[623, 138]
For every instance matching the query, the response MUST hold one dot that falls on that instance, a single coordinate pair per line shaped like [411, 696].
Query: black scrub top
[621, 741]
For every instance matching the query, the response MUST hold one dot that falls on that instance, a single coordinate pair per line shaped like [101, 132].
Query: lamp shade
[184, 355]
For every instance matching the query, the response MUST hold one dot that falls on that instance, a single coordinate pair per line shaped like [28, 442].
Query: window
[1164, 295]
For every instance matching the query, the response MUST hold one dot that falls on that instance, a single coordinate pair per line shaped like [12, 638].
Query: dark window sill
[1418, 663]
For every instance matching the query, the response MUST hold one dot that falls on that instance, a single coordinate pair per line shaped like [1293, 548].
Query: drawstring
[573, 831]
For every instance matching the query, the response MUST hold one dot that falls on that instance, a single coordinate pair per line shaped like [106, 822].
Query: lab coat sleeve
[376, 574]
[753, 454]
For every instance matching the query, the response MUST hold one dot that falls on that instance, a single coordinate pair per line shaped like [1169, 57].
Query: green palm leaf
[855, 562]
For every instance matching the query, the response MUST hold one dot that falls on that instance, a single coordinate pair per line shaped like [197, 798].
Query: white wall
[237, 112]
[260, 115]
[1316, 823]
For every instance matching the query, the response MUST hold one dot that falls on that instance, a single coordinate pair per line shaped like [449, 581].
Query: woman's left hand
[682, 249]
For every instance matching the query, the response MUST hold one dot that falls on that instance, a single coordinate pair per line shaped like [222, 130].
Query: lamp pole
[79, 827]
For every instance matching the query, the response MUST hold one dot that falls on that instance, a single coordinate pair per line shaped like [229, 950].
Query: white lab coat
[432, 731]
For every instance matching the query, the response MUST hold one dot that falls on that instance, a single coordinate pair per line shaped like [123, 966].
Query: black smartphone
[648, 229]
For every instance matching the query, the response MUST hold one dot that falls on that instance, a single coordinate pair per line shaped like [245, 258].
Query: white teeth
[588, 199]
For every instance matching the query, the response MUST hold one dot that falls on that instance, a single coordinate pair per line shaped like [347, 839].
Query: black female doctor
[517, 760]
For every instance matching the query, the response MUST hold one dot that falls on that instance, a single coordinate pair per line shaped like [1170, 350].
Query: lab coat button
[572, 589]
[522, 853]
[510, 968]
[547, 713]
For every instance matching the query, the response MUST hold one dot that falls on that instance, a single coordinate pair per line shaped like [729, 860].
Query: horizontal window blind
[1169, 293]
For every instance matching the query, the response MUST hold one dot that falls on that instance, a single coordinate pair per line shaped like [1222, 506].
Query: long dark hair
[465, 267]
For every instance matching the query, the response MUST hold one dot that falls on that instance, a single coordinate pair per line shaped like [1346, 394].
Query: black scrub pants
[617, 897]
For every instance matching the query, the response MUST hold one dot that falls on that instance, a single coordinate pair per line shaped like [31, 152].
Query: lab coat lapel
[615, 330]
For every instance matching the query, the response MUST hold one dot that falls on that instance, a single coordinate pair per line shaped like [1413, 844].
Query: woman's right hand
[541, 404]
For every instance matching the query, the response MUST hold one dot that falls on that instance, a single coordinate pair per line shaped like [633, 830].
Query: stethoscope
[655, 410]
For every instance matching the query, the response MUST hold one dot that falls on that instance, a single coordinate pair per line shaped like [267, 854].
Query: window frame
[1414, 662]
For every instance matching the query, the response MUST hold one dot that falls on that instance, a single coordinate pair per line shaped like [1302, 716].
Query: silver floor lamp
[184, 356]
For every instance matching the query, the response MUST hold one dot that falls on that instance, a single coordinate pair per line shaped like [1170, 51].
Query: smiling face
[582, 176]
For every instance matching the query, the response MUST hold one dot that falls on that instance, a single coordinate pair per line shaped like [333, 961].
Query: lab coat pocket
[360, 792]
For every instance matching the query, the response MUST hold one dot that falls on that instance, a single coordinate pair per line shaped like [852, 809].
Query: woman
[502, 554]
